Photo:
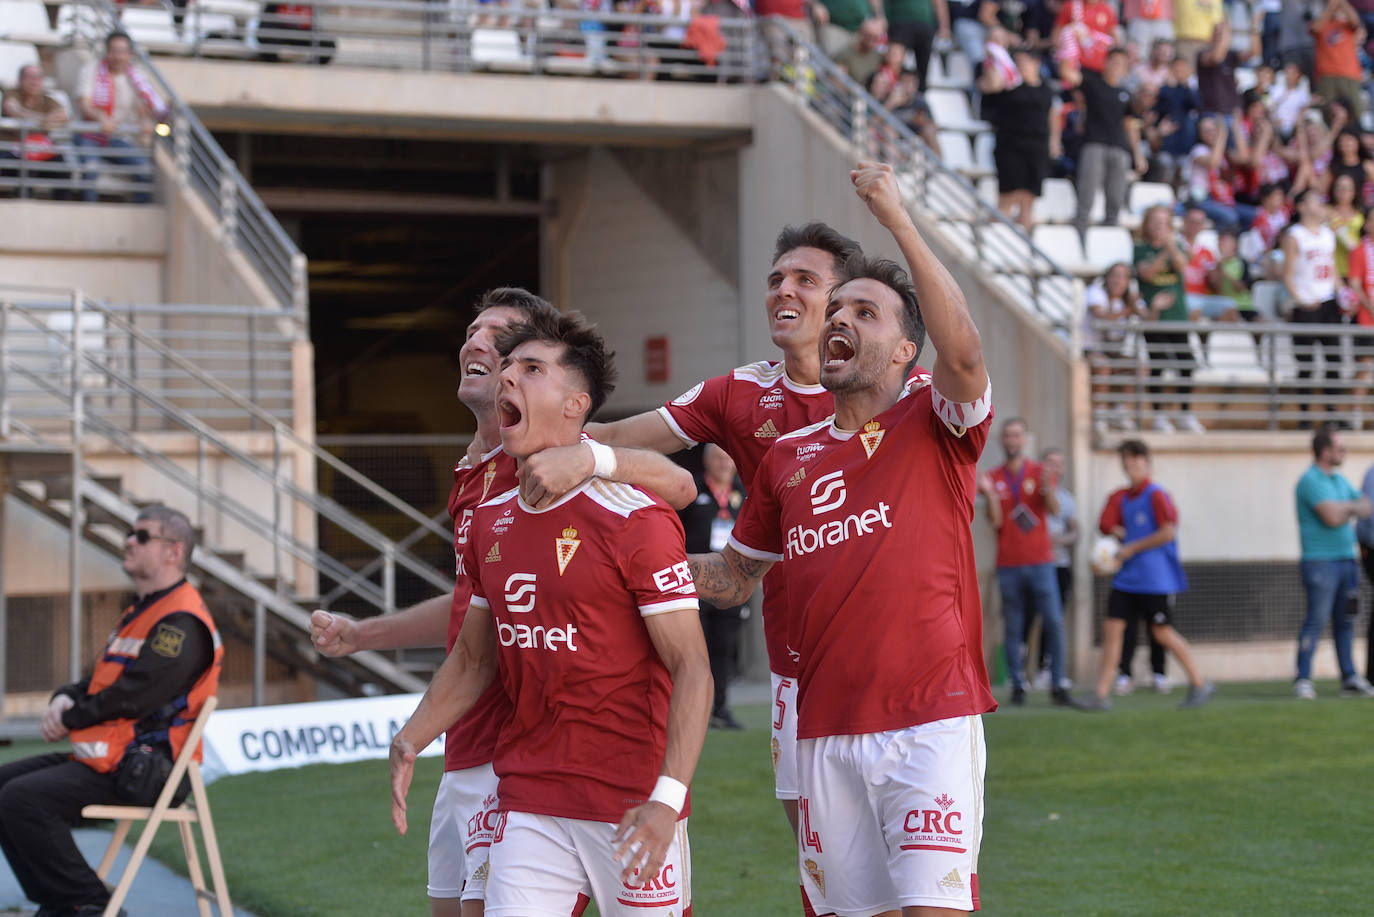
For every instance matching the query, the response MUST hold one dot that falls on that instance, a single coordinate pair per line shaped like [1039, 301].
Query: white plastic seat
[1266, 295]
[150, 26]
[1231, 360]
[955, 151]
[1106, 245]
[959, 70]
[950, 110]
[959, 234]
[1056, 295]
[14, 55]
[945, 196]
[1002, 248]
[25, 20]
[72, 15]
[496, 46]
[1146, 194]
[987, 190]
[1062, 244]
[1057, 202]
[983, 145]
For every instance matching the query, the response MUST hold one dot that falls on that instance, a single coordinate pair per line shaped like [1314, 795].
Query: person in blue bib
[1328, 504]
[1149, 575]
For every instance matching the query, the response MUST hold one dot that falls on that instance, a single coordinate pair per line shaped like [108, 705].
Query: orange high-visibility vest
[102, 745]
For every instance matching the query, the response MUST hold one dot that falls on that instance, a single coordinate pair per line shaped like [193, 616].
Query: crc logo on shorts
[481, 826]
[827, 493]
[940, 828]
[660, 891]
[771, 400]
[675, 579]
[520, 593]
[689, 396]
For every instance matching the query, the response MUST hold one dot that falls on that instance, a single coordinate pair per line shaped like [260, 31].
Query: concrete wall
[626, 263]
[107, 250]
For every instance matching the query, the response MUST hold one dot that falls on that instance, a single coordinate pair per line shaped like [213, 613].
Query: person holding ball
[1142, 518]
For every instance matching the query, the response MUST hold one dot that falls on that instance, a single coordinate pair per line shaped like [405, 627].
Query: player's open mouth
[476, 369]
[838, 350]
[786, 314]
[510, 414]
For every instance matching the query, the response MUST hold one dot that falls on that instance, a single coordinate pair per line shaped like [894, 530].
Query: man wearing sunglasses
[127, 721]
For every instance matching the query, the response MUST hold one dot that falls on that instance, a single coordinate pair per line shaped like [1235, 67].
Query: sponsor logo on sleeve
[675, 579]
[689, 396]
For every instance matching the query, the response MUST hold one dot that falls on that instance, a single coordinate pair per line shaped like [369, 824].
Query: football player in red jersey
[586, 611]
[884, 610]
[460, 829]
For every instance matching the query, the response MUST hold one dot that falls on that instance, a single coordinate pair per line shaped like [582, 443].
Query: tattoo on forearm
[721, 583]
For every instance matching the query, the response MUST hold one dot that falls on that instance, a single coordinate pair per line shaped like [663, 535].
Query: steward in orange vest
[151, 680]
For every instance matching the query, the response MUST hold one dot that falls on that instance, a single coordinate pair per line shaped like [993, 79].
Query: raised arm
[458, 684]
[646, 831]
[424, 624]
[727, 578]
[959, 374]
[642, 431]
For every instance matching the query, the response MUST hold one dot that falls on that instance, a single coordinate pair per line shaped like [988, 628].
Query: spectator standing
[969, 22]
[912, 25]
[1289, 98]
[43, 112]
[1149, 22]
[1149, 574]
[115, 93]
[1152, 73]
[707, 523]
[1294, 38]
[1362, 307]
[1021, 109]
[1266, 23]
[1111, 299]
[862, 57]
[1179, 107]
[1063, 527]
[1209, 178]
[149, 695]
[1160, 266]
[1195, 21]
[1216, 72]
[1309, 276]
[1346, 220]
[840, 21]
[1327, 505]
[1337, 73]
[1111, 142]
[1364, 533]
[1021, 496]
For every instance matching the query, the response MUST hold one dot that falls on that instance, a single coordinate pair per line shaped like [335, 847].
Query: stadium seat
[1063, 245]
[951, 72]
[70, 15]
[1018, 287]
[956, 152]
[1267, 295]
[944, 195]
[1231, 360]
[13, 55]
[499, 47]
[1057, 294]
[1106, 245]
[950, 109]
[987, 190]
[25, 20]
[1245, 79]
[1001, 247]
[151, 27]
[1056, 203]
[194, 811]
[983, 145]
[1146, 194]
[935, 74]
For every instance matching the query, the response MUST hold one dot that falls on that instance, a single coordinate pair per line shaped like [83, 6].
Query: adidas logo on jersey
[797, 478]
[952, 880]
[494, 555]
[767, 431]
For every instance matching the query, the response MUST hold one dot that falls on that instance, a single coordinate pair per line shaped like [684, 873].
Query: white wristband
[604, 458]
[672, 793]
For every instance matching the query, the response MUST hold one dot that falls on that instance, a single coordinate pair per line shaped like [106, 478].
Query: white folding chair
[196, 810]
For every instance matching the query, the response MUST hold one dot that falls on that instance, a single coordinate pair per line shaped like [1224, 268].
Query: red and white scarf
[102, 93]
[1000, 60]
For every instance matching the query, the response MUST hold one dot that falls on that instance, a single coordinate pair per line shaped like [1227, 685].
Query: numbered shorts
[460, 833]
[784, 738]
[893, 819]
[545, 866]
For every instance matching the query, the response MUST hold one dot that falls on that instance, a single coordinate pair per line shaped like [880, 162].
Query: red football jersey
[1024, 538]
[472, 740]
[567, 586]
[1090, 27]
[743, 412]
[873, 529]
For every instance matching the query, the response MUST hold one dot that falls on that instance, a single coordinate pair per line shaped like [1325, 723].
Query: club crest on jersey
[766, 431]
[494, 555]
[487, 478]
[566, 547]
[797, 478]
[817, 874]
[871, 436]
[771, 400]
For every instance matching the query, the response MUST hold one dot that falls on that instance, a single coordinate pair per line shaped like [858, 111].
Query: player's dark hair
[1133, 447]
[891, 275]
[517, 298]
[584, 351]
[1322, 440]
[816, 235]
[118, 33]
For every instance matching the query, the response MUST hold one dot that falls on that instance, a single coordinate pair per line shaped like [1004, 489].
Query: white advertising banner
[292, 735]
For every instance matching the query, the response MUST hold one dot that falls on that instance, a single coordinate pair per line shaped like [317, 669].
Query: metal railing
[225, 482]
[1003, 252]
[198, 163]
[1229, 375]
[462, 36]
[72, 162]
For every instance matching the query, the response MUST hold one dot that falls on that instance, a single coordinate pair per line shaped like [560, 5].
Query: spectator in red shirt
[1021, 494]
[1084, 32]
[1338, 35]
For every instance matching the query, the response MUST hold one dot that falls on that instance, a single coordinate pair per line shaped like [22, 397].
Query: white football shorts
[542, 865]
[893, 819]
[784, 738]
[460, 833]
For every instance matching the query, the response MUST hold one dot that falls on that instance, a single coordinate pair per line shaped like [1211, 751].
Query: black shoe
[1018, 697]
[94, 910]
[1060, 697]
[725, 720]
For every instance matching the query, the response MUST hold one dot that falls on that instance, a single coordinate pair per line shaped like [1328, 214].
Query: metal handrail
[985, 234]
[244, 222]
[1263, 375]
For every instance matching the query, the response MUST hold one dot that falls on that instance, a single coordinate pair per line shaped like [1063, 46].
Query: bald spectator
[840, 20]
[42, 113]
[113, 92]
[862, 57]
